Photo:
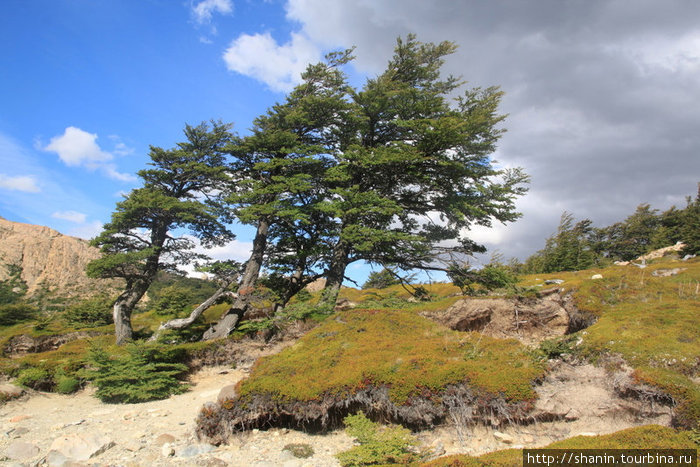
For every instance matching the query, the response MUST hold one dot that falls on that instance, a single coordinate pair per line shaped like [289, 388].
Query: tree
[275, 175]
[633, 237]
[415, 174]
[179, 192]
[690, 232]
[381, 279]
[570, 249]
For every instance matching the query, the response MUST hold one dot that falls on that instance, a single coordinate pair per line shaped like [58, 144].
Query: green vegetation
[578, 246]
[381, 279]
[95, 311]
[409, 354]
[13, 313]
[644, 437]
[146, 372]
[649, 321]
[378, 445]
[299, 450]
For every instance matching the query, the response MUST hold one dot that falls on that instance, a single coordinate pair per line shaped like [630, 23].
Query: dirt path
[139, 431]
[161, 433]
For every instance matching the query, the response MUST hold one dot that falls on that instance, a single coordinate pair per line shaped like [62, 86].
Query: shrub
[173, 300]
[14, 313]
[300, 450]
[67, 384]
[147, 372]
[92, 312]
[35, 378]
[378, 445]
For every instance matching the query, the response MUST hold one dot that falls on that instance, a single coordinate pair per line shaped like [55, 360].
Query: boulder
[21, 450]
[82, 446]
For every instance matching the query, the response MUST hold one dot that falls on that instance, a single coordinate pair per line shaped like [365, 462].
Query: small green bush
[35, 378]
[300, 450]
[67, 384]
[554, 348]
[13, 313]
[173, 300]
[147, 372]
[92, 312]
[378, 445]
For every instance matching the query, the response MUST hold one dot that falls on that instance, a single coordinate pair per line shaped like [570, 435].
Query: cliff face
[48, 260]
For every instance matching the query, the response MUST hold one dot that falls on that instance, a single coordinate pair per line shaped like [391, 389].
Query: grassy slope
[653, 323]
[399, 349]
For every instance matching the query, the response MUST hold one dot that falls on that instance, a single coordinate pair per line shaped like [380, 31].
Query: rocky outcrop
[530, 320]
[47, 260]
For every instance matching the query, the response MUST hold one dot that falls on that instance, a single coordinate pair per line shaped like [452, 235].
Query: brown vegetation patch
[217, 421]
[25, 344]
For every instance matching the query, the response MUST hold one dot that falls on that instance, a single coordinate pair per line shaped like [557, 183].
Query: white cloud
[111, 171]
[24, 183]
[204, 10]
[71, 216]
[87, 231]
[278, 66]
[78, 148]
[234, 250]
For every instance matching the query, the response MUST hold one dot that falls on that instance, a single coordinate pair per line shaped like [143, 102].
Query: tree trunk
[233, 315]
[181, 323]
[123, 307]
[335, 276]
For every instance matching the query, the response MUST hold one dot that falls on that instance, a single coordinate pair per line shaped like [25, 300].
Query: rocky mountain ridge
[47, 261]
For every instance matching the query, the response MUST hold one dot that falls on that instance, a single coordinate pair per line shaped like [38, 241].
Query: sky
[602, 96]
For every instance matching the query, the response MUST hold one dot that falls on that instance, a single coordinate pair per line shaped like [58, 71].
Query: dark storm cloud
[603, 97]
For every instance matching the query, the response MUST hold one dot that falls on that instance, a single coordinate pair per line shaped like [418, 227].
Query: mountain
[47, 261]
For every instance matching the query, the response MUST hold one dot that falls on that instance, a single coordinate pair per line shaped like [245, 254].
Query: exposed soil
[530, 320]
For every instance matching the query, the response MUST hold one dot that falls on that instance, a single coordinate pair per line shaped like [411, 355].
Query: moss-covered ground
[398, 349]
[651, 322]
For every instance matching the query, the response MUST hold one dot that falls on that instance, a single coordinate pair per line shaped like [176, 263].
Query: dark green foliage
[35, 378]
[67, 384]
[475, 281]
[690, 231]
[300, 450]
[378, 445]
[632, 238]
[14, 288]
[555, 348]
[147, 372]
[381, 279]
[197, 290]
[179, 193]
[92, 312]
[173, 300]
[13, 313]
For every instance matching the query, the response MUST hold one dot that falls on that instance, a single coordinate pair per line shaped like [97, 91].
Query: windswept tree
[179, 194]
[416, 173]
[275, 174]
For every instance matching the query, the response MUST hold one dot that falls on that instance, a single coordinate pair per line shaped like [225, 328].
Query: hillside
[600, 357]
[46, 261]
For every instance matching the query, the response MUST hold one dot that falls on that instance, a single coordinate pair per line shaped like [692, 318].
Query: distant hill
[47, 261]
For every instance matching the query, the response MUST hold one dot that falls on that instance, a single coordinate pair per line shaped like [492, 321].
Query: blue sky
[602, 95]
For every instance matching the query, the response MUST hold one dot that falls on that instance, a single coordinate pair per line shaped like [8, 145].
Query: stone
[10, 391]
[21, 450]
[194, 450]
[596, 276]
[554, 281]
[227, 392]
[667, 272]
[19, 418]
[165, 438]
[502, 437]
[167, 450]
[82, 446]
